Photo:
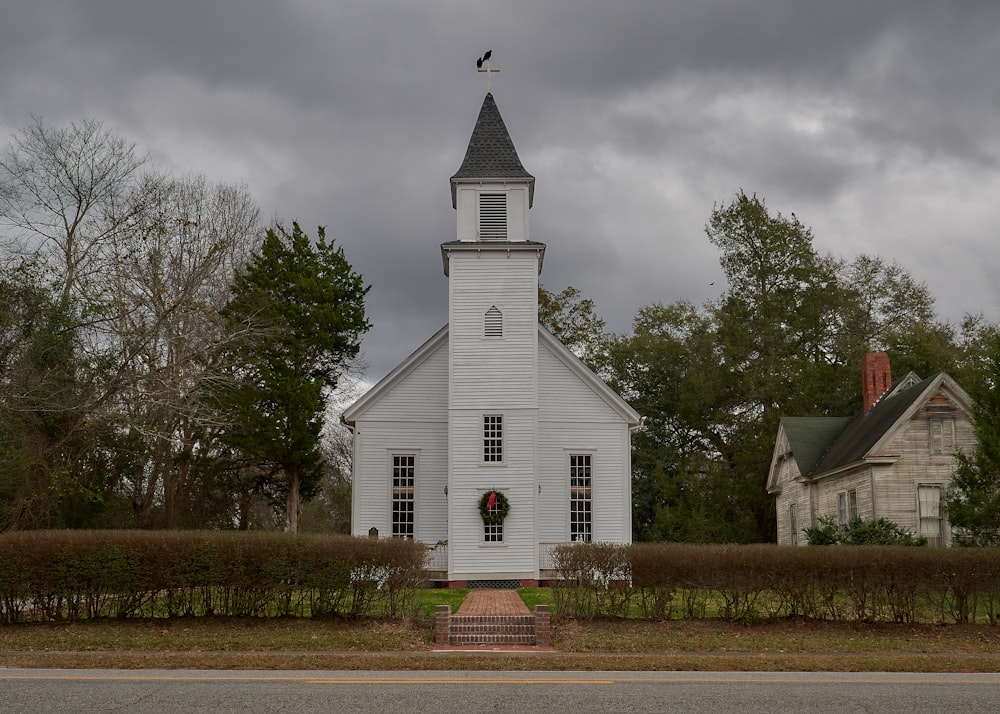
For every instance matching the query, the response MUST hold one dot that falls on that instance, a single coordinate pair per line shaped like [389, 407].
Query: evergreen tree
[972, 501]
[297, 314]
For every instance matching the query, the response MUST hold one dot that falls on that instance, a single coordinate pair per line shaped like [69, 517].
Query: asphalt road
[140, 691]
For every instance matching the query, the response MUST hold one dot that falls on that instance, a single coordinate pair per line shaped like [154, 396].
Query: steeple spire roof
[491, 154]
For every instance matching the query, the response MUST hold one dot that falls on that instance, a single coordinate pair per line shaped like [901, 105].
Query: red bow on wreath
[491, 502]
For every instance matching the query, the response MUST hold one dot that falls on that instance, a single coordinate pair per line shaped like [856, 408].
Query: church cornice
[464, 246]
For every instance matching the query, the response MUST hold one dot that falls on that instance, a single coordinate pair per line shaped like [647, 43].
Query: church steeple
[491, 154]
[492, 191]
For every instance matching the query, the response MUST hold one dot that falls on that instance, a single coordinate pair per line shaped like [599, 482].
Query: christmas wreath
[493, 507]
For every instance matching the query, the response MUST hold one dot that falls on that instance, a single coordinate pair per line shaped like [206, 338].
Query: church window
[493, 438]
[493, 323]
[403, 501]
[493, 216]
[493, 532]
[793, 525]
[580, 498]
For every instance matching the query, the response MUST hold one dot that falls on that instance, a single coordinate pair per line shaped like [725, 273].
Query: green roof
[809, 438]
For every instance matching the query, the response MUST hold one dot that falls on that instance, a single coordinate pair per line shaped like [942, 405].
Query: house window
[493, 216]
[929, 504]
[493, 438]
[847, 507]
[493, 323]
[403, 472]
[580, 512]
[942, 435]
[793, 526]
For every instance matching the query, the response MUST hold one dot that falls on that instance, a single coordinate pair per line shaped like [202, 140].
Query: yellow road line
[663, 679]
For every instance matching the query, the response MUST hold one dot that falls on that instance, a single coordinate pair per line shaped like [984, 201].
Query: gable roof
[422, 353]
[491, 153]
[586, 375]
[385, 385]
[809, 438]
[863, 432]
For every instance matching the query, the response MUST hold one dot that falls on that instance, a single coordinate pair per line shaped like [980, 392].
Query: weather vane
[483, 65]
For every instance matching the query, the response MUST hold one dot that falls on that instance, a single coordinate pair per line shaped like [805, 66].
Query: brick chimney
[876, 378]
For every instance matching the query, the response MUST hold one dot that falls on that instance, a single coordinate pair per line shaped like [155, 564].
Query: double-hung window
[847, 507]
[580, 498]
[493, 532]
[403, 500]
[493, 438]
[929, 504]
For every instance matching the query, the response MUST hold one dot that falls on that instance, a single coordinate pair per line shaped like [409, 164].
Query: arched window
[493, 323]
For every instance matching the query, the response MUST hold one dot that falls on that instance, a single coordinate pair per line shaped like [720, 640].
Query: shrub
[879, 531]
[56, 575]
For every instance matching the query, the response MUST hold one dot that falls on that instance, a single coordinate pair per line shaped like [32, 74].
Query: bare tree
[66, 192]
[138, 266]
[169, 280]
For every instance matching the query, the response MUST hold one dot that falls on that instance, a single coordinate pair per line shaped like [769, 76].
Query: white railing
[437, 557]
[546, 555]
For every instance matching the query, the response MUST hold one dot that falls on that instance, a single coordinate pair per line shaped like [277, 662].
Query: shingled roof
[865, 430]
[491, 154]
[810, 437]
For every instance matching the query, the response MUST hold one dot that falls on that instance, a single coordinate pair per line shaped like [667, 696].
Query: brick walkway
[493, 602]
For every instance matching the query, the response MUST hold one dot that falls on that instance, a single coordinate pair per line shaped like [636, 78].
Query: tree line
[165, 358]
[786, 337]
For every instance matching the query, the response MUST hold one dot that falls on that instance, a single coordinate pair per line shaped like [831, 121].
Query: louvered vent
[493, 216]
[494, 323]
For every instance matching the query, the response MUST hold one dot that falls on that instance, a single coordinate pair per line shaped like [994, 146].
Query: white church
[492, 442]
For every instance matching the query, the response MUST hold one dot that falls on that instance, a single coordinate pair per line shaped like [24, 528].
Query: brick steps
[523, 630]
[492, 630]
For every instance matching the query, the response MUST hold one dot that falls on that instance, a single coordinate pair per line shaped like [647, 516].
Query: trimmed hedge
[749, 582]
[71, 575]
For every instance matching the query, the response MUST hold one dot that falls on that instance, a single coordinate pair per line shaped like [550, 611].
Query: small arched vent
[493, 216]
[493, 323]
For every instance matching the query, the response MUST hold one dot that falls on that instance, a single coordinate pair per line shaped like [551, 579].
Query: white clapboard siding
[470, 478]
[610, 486]
[422, 396]
[563, 396]
[375, 443]
[575, 419]
[485, 371]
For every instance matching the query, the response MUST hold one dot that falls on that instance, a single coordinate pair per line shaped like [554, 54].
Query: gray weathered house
[893, 460]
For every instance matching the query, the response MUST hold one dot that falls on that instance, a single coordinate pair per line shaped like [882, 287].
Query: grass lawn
[597, 645]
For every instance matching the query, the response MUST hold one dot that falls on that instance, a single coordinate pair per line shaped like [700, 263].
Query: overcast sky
[876, 123]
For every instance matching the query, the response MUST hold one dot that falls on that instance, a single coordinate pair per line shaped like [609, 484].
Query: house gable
[803, 439]
[867, 434]
[875, 464]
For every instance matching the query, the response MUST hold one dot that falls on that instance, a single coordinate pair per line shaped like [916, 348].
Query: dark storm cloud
[874, 122]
